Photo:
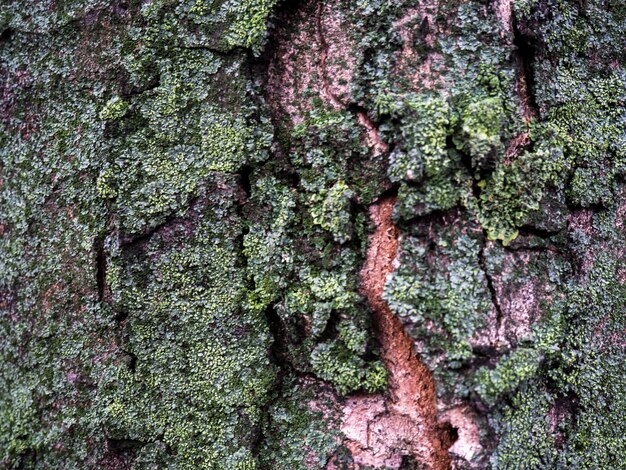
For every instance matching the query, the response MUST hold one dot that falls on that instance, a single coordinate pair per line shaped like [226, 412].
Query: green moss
[171, 358]
[323, 149]
[106, 185]
[577, 386]
[176, 140]
[128, 360]
[302, 259]
[482, 123]
[223, 144]
[268, 248]
[590, 118]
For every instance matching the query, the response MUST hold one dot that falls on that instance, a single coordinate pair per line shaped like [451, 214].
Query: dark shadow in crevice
[526, 56]
[6, 35]
[130, 359]
[491, 287]
[121, 453]
[279, 351]
[448, 434]
[244, 180]
[530, 231]
[101, 268]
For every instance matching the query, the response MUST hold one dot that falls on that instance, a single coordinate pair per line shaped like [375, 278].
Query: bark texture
[331, 234]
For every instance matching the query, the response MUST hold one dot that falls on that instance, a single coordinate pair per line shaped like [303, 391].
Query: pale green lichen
[331, 210]
[185, 305]
[114, 109]
[444, 285]
[348, 372]
[425, 130]
[514, 191]
[250, 26]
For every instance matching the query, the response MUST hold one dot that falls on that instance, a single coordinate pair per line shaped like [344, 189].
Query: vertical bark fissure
[491, 287]
[411, 384]
[101, 267]
[525, 57]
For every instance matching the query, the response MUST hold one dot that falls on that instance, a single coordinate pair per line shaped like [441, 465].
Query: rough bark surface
[298, 234]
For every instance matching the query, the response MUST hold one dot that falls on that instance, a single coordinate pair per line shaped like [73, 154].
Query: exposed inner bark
[311, 54]
[388, 431]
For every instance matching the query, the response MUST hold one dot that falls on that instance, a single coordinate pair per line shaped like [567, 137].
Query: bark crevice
[525, 57]
[101, 268]
[403, 426]
[482, 262]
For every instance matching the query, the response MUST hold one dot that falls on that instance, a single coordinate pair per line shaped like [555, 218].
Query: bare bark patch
[424, 70]
[337, 64]
[518, 144]
[505, 18]
[385, 431]
[313, 56]
[563, 409]
[467, 445]
[518, 297]
[372, 136]
[620, 214]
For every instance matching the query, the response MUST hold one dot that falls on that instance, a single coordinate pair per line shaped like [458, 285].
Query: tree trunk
[333, 234]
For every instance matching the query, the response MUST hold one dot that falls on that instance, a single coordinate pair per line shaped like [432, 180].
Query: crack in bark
[409, 423]
[525, 57]
[171, 221]
[101, 268]
[491, 287]
[529, 230]
[6, 34]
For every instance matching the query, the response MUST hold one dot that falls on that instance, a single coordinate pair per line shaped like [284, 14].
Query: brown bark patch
[372, 136]
[418, 25]
[517, 145]
[336, 62]
[504, 13]
[563, 409]
[385, 431]
[312, 56]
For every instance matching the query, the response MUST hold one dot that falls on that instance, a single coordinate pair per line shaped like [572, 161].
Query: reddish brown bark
[384, 431]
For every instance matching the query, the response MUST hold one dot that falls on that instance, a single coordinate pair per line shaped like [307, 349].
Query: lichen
[181, 234]
[441, 290]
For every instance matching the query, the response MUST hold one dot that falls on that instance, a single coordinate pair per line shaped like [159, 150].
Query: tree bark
[332, 234]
